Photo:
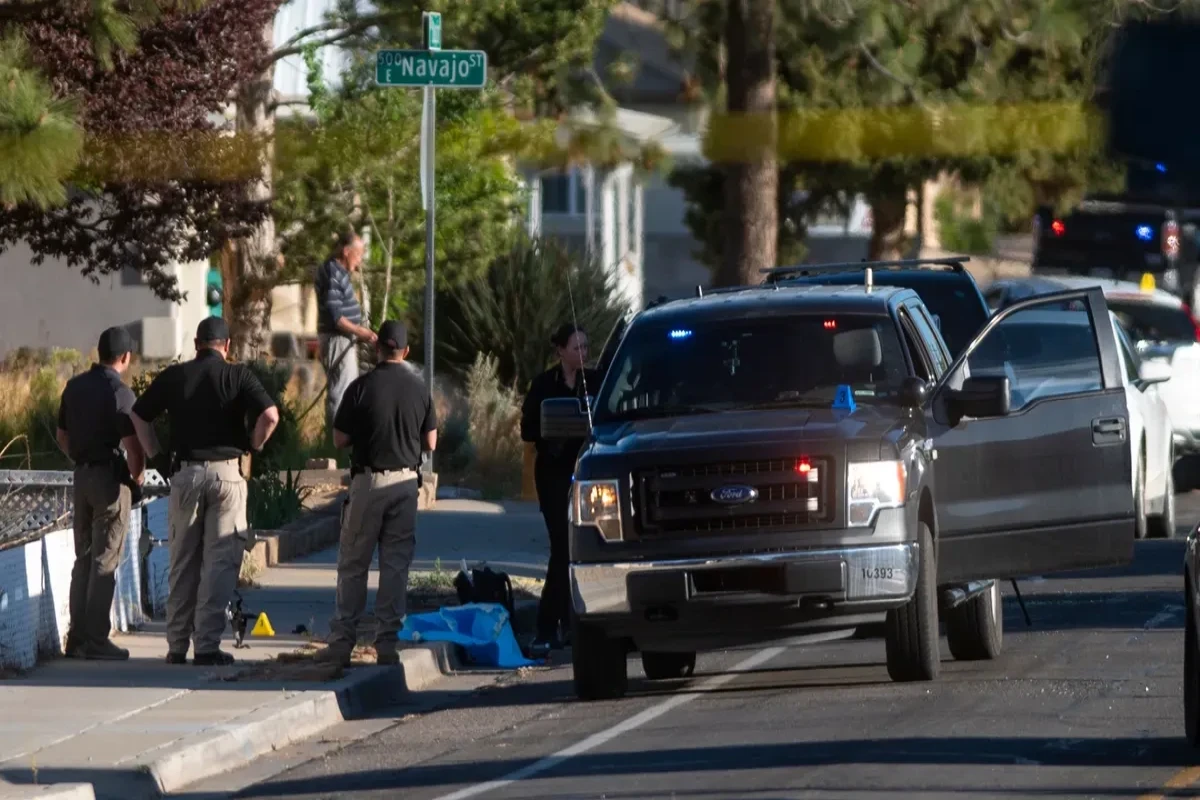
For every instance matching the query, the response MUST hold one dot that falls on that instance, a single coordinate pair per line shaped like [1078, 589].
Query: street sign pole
[431, 26]
[428, 132]
[430, 68]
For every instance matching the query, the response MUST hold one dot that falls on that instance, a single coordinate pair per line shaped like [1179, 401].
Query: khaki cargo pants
[207, 536]
[381, 511]
[101, 512]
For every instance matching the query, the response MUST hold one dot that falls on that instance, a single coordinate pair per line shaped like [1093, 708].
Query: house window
[131, 276]
[556, 194]
[564, 193]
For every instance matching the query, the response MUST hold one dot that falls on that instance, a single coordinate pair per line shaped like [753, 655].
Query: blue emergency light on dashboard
[1145, 232]
[680, 333]
[844, 399]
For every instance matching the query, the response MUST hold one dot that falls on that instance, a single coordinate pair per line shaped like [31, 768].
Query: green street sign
[433, 30]
[441, 69]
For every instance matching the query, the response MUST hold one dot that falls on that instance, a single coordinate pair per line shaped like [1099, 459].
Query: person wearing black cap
[387, 419]
[208, 402]
[93, 425]
[553, 469]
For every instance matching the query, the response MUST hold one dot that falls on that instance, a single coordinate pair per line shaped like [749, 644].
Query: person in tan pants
[208, 402]
[387, 419]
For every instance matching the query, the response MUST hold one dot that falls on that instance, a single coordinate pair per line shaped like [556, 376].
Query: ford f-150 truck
[778, 460]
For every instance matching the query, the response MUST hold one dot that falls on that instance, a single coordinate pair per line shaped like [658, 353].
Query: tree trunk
[257, 253]
[389, 245]
[752, 186]
[888, 198]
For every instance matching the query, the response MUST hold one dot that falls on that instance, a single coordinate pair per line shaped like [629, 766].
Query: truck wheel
[912, 629]
[1191, 672]
[668, 666]
[975, 629]
[598, 661]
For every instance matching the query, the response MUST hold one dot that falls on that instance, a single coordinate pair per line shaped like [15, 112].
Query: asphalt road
[1087, 702]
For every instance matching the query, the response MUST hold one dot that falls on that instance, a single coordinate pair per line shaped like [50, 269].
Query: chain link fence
[36, 502]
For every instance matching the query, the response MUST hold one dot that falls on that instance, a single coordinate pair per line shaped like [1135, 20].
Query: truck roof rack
[954, 262]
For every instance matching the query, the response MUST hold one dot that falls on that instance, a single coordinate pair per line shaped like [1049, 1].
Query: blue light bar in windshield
[1145, 232]
[680, 333]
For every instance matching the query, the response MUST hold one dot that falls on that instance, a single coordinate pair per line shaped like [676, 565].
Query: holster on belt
[125, 478]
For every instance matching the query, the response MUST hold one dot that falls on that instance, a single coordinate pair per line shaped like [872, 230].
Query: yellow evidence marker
[262, 626]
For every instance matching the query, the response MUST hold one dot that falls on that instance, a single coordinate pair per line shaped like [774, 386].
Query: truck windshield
[763, 362]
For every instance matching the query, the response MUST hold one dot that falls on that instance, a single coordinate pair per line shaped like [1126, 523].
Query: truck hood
[742, 428]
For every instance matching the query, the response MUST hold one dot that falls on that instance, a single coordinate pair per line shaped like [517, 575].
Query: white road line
[605, 736]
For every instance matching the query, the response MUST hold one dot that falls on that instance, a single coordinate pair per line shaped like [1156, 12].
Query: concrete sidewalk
[144, 728]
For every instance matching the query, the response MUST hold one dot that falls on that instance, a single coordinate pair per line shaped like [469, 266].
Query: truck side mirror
[565, 418]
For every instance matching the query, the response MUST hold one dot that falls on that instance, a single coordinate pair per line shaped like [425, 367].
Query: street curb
[299, 716]
[53, 791]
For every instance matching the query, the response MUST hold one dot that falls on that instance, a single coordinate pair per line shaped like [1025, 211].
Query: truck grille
[733, 496]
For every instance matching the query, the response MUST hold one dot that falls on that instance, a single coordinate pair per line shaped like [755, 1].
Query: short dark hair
[564, 334]
[114, 343]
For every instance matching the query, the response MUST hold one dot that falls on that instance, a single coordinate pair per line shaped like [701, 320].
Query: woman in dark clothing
[553, 468]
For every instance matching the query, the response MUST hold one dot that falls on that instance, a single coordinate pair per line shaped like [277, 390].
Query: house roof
[660, 75]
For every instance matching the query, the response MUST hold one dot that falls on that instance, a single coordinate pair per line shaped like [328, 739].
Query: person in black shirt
[553, 468]
[386, 419]
[208, 402]
[93, 424]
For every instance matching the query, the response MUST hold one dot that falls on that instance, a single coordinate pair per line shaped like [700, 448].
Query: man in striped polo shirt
[339, 319]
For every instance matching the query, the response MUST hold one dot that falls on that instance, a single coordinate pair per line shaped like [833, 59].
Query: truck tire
[912, 630]
[668, 666]
[1191, 671]
[600, 668]
[975, 629]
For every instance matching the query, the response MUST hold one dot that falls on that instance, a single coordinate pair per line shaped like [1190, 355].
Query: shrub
[961, 233]
[493, 422]
[511, 314]
[29, 399]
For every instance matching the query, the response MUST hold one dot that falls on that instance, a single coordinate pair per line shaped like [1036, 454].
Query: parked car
[792, 458]
[944, 285]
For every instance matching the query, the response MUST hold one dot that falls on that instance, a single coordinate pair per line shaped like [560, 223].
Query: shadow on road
[931, 751]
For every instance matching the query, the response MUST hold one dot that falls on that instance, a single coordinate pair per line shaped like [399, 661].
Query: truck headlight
[871, 486]
[598, 504]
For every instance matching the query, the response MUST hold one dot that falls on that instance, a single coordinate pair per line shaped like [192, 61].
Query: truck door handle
[1110, 430]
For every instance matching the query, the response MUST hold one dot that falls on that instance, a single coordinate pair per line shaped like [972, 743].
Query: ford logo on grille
[732, 495]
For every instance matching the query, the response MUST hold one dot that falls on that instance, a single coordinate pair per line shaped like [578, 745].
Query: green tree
[41, 135]
[358, 163]
[535, 52]
[530, 290]
[880, 96]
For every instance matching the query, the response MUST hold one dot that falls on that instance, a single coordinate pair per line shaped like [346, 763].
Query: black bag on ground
[486, 586]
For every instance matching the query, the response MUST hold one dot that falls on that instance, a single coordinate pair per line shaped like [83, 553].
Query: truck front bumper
[836, 576]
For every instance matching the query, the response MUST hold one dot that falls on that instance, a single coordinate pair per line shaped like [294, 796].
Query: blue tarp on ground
[482, 629]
